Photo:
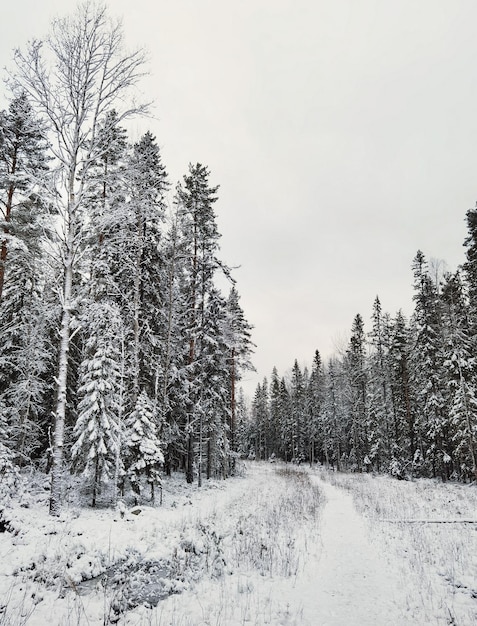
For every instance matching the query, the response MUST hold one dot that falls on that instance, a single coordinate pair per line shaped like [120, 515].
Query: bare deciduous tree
[73, 78]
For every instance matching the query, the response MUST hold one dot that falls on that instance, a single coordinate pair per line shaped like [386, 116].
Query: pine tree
[25, 355]
[23, 163]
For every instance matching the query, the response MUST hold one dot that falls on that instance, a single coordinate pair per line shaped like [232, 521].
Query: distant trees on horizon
[401, 398]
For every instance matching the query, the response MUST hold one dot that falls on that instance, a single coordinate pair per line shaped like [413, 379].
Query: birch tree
[73, 78]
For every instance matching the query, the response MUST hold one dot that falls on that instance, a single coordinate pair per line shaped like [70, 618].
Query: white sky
[343, 134]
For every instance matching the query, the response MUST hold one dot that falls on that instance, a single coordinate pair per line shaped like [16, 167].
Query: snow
[357, 584]
[278, 546]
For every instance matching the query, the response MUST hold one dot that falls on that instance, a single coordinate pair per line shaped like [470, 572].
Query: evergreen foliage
[95, 283]
[401, 398]
[112, 319]
[96, 434]
[143, 449]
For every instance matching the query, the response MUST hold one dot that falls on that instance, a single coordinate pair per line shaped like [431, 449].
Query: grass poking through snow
[423, 525]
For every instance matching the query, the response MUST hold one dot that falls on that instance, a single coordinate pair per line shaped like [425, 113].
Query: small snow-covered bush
[9, 475]
[396, 469]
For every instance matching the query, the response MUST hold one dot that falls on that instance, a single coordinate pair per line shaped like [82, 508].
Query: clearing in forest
[279, 545]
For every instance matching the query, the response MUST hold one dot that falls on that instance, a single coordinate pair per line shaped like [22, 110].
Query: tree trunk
[8, 214]
[58, 441]
[96, 482]
[232, 405]
[190, 458]
[209, 456]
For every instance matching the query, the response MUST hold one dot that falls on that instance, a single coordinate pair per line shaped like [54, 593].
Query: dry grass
[405, 516]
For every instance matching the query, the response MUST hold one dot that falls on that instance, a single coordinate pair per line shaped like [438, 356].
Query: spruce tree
[470, 269]
[142, 446]
[460, 366]
[357, 378]
[195, 199]
[428, 373]
[95, 451]
[237, 335]
[286, 425]
[334, 415]
[297, 405]
[319, 441]
[405, 435]
[378, 389]
[276, 416]
[261, 417]
[141, 273]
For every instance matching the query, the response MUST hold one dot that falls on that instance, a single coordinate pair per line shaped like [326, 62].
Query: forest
[399, 399]
[121, 358]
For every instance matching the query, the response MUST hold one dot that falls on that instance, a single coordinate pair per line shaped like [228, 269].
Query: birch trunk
[58, 440]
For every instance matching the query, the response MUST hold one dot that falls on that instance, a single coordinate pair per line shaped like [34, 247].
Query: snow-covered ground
[427, 532]
[278, 545]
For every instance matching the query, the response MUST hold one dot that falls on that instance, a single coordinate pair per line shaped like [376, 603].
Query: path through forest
[353, 582]
[344, 578]
[265, 549]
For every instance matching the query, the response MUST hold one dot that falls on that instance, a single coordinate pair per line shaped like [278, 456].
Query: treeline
[401, 398]
[119, 356]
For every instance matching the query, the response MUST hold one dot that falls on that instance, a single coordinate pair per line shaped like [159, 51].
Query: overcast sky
[342, 133]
